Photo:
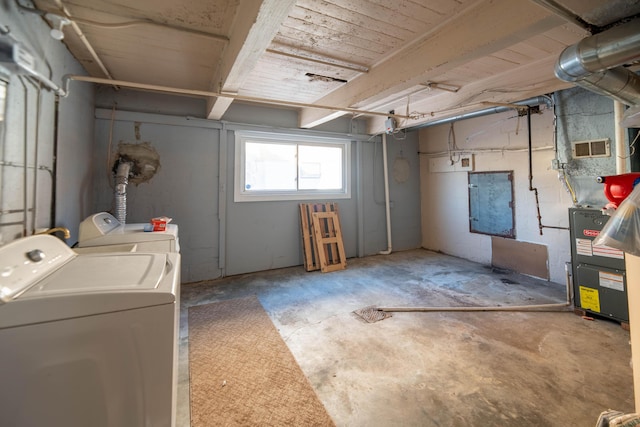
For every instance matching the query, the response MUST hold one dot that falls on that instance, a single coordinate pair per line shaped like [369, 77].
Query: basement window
[272, 166]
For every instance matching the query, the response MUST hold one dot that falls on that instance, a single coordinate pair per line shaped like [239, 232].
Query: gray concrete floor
[434, 369]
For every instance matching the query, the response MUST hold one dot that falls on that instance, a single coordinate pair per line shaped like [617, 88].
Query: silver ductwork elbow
[596, 63]
[122, 180]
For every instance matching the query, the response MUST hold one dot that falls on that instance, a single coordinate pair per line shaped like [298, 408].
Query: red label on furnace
[591, 233]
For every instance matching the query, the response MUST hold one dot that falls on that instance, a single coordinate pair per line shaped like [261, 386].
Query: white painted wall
[74, 137]
[445, 198]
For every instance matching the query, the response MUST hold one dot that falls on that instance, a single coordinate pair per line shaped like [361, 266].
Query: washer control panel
[25, 261]
[97, 225]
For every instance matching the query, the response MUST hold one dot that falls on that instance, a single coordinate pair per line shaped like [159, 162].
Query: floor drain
[372, 314]
[508, 281]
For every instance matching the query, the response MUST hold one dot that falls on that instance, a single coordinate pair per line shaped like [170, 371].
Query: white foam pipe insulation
[387, 203]
[122, 180]
[622, 149]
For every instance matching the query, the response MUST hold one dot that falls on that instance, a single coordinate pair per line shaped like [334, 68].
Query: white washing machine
[103, 229]
[87, 340]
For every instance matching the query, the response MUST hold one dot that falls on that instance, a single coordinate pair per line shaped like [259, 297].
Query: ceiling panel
[372, 55]
[204, 15]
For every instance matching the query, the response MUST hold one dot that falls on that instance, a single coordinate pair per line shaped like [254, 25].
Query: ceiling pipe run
[529, 102]
[84, 40]
[204, 93]
[597, 63]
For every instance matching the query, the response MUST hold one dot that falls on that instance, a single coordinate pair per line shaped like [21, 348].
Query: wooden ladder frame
[311, 250]
[328, 237]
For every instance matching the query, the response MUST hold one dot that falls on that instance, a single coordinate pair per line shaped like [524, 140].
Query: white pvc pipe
[209, 94]
[385, 168]
[83, 39]
[622, 150]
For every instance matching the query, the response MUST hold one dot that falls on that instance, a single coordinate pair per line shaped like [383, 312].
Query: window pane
[320, 167]
[270, 167]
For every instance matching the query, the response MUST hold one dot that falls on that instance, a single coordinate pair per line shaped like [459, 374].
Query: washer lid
[111, 272]
[95, 284]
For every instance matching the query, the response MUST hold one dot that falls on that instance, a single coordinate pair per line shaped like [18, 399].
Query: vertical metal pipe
[54, 166]
[531, 187]
[34, 209]
[25, 175]
[3, 131]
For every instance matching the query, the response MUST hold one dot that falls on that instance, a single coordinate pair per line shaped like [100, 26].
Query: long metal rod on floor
[534, 307]
[537, 307]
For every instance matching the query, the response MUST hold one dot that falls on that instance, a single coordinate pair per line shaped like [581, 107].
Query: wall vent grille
[591, 148]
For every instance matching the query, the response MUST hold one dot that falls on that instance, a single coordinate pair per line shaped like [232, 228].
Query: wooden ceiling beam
[255, 25]
[486, 27]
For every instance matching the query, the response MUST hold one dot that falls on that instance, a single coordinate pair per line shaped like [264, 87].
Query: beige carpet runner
[242, 372]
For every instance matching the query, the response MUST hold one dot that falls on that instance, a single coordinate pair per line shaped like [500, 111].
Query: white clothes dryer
[87, 340]
[103, 229]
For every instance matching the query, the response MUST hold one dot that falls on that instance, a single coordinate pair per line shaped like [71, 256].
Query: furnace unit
[599, 277]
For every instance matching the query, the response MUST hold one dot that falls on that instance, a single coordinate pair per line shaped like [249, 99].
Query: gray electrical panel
[599, 276]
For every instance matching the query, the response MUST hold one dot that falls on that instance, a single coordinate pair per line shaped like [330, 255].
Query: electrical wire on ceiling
[64, 13]
[351, 67]
[452, 146]
[464, 103]
[83, 39]
[138, 22]
[399, 133]
[484, 151]
[490, 127]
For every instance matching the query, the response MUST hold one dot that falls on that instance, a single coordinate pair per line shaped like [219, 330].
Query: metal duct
[596, 63]
[122, 180]
[530, 102]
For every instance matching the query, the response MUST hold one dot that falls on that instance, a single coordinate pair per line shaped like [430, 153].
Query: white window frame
[242, 195]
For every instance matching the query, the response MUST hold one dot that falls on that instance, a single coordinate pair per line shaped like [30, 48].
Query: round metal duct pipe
[596, 63]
